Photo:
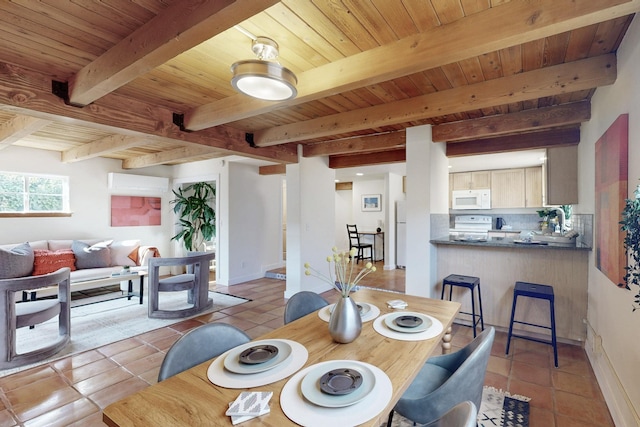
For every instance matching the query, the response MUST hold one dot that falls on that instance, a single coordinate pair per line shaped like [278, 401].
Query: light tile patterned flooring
[72, 391]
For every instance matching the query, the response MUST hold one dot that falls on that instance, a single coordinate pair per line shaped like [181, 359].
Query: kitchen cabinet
[475, 180]
[562, 175]
[507, 188]
[533, 188]
[510, 188]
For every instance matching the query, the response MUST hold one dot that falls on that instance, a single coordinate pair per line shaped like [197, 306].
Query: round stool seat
[469, 282]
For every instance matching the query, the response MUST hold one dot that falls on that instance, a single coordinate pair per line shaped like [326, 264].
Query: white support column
[310, 213]
[427, 186]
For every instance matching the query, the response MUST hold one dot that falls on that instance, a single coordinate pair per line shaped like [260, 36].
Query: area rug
[99, 323]
[498, 409]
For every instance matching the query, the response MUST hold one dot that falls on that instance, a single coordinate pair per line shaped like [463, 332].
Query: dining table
[387, 358]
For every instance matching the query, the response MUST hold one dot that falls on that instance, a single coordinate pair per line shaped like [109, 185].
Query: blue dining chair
[447, 380]
[301, 304]
[199, 345]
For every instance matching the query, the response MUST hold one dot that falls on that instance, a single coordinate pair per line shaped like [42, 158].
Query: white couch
[93, 261]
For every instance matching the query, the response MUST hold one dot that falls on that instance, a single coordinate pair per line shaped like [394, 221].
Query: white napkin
[397, 303]
[248, 405]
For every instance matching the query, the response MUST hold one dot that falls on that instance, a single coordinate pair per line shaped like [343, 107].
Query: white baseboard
[618, 402]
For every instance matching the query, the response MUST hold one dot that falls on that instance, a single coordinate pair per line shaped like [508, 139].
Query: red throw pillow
[49, 261]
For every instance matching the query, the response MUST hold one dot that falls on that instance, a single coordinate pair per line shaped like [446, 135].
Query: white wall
[89, 199]
[255, 233]
[609, 308]
[249, 217]
[367, 221]
[344, 216]
[310, 213]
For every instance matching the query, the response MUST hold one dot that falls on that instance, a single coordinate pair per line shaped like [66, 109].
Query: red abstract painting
[611, 191]
[135, 211]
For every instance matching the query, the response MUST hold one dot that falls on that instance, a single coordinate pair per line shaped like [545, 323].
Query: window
[33, 194]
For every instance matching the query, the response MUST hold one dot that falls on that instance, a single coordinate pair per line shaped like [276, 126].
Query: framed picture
[135, 211]
[371, 203]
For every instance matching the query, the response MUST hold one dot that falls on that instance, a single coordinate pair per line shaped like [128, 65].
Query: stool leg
[442, 293]
[554, 342]
[480, 301]
[513, 311]
[473, 312]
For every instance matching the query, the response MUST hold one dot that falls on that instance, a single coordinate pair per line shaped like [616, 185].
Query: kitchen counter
[509, 243]
[501, 263]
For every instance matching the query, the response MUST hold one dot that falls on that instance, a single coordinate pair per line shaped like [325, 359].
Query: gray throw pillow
[16, 262]
[96, 256]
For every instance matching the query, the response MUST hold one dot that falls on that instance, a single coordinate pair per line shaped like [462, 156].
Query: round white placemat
[300, 411]
[325, 312]
[218, 375]
[380, 327]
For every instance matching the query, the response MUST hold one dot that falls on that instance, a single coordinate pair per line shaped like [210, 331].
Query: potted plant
[631, 225]
[195, 215]
[546, 215]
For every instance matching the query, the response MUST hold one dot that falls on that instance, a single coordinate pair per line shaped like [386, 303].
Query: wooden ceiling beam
[504, 144]
[273, 170]
[101, 147]
[181, 26]
[468, 37]
[27, 92]
[385, 141]
[522, 121]
[564, 78]
[181, 154]
[18, 127]
[367, 159]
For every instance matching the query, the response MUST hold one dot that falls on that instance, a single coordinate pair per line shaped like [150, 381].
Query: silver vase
[345, 323]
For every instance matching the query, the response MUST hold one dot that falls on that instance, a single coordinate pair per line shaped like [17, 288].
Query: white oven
[471, 199]
[471, 227]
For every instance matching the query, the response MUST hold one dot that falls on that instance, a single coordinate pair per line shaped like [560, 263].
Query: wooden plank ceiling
[148, 81]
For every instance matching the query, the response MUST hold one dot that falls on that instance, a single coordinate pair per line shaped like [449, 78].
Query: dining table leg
[446, 341]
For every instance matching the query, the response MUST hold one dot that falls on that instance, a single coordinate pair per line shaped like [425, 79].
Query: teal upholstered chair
[301, 304]
[444, 381]
[199, 345]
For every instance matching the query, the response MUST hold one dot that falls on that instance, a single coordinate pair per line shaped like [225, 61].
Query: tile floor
[72, 391]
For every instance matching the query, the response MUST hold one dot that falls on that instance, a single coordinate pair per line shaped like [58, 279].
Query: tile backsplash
[582, 223]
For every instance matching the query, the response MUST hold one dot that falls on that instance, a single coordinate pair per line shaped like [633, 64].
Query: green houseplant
[631, 225]
[196, 217]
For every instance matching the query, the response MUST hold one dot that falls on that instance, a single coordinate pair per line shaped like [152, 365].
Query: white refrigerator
[401, 234]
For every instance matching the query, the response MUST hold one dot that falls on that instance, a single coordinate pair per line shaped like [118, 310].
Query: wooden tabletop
[190, 399]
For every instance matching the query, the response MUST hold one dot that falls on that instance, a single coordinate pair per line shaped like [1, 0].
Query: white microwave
[471, 199]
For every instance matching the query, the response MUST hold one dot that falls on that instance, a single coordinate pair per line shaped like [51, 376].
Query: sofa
[93, 262]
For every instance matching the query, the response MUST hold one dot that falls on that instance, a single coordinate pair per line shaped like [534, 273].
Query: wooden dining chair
[444, 381]
[199, 345]
[354, 242]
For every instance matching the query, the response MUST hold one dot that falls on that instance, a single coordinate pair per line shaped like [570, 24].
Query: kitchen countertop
[509, 243]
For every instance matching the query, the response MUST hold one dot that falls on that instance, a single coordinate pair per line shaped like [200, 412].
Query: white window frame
[26, 211]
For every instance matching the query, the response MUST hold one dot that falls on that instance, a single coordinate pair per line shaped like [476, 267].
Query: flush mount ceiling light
[264, 78]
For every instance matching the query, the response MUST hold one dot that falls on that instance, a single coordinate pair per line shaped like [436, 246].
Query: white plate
[366, 307]
[391, 324]
[310, 385]
[233, 364]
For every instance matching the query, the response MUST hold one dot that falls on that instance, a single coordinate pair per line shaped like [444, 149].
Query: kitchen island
[500, 263]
